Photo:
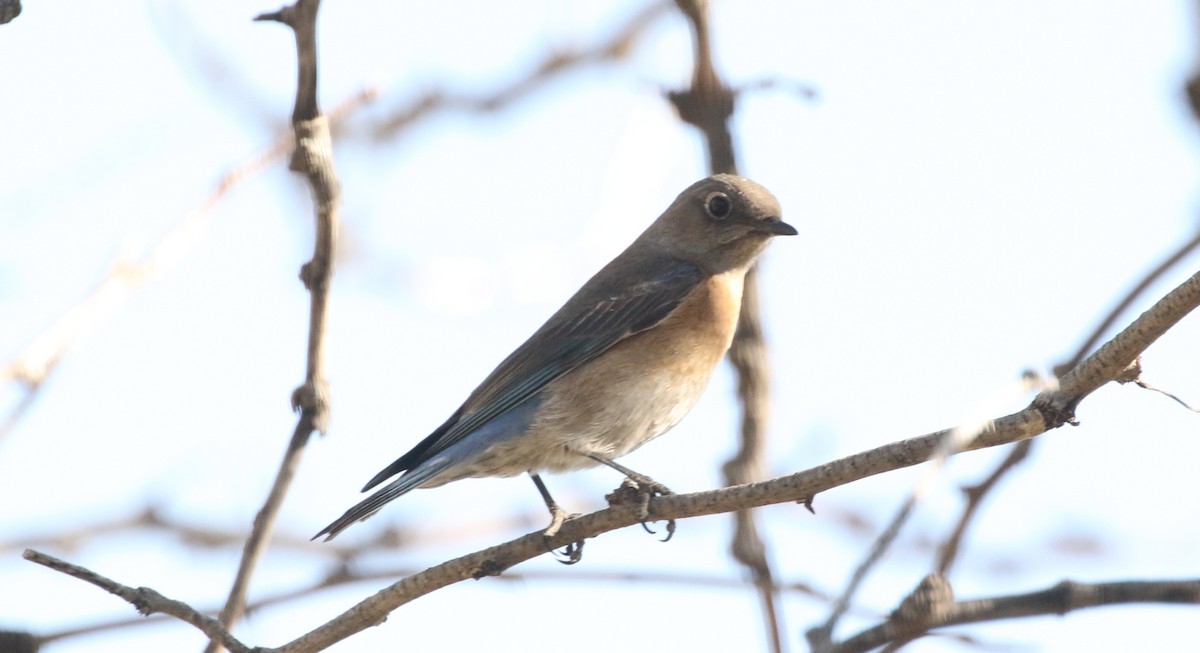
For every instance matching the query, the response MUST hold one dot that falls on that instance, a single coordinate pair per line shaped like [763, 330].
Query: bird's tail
[367, 507]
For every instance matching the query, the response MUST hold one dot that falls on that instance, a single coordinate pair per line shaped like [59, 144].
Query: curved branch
[1050, 409]
[942, 611]
[146, 600]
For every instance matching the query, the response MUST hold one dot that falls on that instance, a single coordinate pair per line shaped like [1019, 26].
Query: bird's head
[719, 223]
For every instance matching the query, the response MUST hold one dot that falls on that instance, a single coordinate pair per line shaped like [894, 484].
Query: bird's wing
[594, 320]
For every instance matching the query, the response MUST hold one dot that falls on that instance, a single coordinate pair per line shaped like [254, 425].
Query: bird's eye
[718, 205]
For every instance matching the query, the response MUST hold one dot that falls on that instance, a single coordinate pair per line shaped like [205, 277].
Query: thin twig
[207, 536]
[38, 360]
[820, 638]
[948, 552]
[1145, 385]
[313, 158]
[1054, 408]
[615, 48]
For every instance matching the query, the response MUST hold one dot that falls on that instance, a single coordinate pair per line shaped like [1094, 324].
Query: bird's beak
[776, 227]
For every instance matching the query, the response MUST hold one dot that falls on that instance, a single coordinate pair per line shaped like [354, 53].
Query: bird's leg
[647, 488]
[574, 551]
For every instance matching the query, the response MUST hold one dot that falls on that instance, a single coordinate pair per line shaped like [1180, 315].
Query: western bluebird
[618, 365]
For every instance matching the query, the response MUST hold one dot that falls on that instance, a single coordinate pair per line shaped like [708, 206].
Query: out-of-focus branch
[40, 358]
[903, 627]
[343, 576]
[201, 57]
[615, 48]
[708, 105]
[953, 442]
[1117, 311]
[206, 536]
[313, 158]
[1053, 408]
[975, 495]
[9, 9]
[948, 551]
[933, 606]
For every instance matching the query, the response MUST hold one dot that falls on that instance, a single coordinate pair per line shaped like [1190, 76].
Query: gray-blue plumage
[619, 364]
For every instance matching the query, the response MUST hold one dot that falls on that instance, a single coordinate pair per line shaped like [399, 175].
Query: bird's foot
[641, 489]
[572, 552]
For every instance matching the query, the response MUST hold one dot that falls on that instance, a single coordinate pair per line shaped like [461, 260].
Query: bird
[620, 363]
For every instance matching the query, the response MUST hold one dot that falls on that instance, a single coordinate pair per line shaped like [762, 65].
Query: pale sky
[975, 184]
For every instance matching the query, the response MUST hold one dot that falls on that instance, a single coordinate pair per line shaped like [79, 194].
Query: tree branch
[616, 47]
[146, 600]
[313, 158]
[948, 551]
[937, 608]
[343, 576]
[38, 360]
[1050, 409]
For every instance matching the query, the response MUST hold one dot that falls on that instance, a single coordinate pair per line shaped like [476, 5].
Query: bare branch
[955, 441]
[146, 600]
[948, 552]
[1050, 409]
[615, 48]
[1133, 374]
[40, 358]
[1154, 275]
[313, 157]
[207, 536]
[343, 576]
[975, 494]
[936, 608]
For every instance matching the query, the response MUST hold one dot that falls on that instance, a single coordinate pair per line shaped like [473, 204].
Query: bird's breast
[645, 384]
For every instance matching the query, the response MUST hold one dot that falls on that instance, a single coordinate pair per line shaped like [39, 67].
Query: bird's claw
[572, 552]
[645, 488]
